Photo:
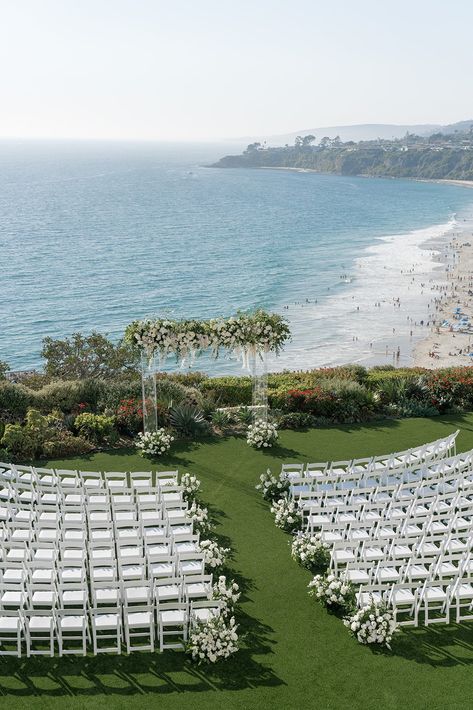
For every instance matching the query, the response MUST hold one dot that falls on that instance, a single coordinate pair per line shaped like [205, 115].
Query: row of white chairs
[72, 542]
[374, 466]
[110, 629]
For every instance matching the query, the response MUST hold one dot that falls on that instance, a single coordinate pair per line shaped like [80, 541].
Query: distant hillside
[437, 157]
[363, 132]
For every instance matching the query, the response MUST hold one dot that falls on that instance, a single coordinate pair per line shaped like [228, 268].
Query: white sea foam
[348, 326]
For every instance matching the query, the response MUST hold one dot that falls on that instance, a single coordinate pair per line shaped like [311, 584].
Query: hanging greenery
[242, 335]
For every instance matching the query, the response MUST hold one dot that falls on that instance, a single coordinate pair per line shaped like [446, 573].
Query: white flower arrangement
[200, 517]
[372, 624]
[213, 640]
[191, 486]
[215, 555]
[309, 550]
[272, 487]
[261, 434]
[243, 334]
[154, 443]
[226, 592]
[333, 592]
[287, 514]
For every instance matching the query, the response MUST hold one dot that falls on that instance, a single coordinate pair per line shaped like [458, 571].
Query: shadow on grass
[439, 646]
[142, 673]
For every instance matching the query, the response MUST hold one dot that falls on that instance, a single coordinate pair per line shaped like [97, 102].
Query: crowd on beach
[441, 337]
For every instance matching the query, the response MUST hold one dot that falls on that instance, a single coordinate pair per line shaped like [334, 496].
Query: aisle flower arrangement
[215, 556]
[200, 517]
[309, 550]
[154, 443]
[336, 593]
[287, 514]
[213, 640]
[272, 487]
[191, 486]
[373, 624]
[228, 592]
[261, 434]
[243, 335]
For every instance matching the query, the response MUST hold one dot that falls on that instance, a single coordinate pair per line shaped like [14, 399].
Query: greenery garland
[242, 334]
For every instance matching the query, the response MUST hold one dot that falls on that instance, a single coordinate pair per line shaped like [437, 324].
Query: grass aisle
[296, 655]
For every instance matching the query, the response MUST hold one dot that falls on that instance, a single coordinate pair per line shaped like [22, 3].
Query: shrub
[18, 442]
[68, 395]
[95, 427]
[229, 391]
[41, 436]
[337, 400]
[297, 420]
[65, 444]
[129, 416]
[188, 420]
[116, 391]
[14, 401]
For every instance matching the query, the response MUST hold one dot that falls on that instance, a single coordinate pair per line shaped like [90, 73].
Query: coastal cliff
[438, 157]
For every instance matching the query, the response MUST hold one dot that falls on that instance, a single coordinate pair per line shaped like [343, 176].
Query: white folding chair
[172, 622]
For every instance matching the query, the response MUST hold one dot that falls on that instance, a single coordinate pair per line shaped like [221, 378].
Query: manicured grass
[296, 655]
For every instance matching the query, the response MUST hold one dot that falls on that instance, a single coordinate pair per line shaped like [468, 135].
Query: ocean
[95, 235]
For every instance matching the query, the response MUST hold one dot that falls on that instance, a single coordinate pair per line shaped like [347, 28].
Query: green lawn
[296, 655]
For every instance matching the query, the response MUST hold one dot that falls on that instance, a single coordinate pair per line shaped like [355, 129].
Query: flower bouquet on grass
[272, 487]
[215, 555]
[310, 551]
[213, 640]
[227, 592]
[335, 593]
[191, 486]
[287, 514]
[261, 434]
[154, 443]
[372, 624]
[200, 518]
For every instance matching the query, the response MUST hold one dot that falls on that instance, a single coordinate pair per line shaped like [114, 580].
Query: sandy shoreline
[451, 336]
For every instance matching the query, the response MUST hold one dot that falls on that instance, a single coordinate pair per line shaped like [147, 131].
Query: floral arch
[250, 337]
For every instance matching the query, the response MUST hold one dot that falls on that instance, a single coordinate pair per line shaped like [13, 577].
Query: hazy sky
[209, 69]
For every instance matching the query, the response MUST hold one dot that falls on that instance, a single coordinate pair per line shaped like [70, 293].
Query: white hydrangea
[228, 592]
[200, 517]
[309, 550]
[215, 555]
[261, 434]
[332, 591]
[191, 486]
[272, 487]
[287, 514]
[154, 443]
[372, 624]
[213, 640]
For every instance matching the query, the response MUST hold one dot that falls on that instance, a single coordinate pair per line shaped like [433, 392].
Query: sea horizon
[95, 235]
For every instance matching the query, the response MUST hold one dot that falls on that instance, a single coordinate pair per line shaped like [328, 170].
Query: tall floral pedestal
[148, 387]
[259, 374]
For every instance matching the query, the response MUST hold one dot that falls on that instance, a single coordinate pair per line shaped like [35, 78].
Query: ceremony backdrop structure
[247, 336]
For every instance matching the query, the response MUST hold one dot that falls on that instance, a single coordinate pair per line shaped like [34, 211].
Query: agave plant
[221, 419]
[245, 415]
[188, 420]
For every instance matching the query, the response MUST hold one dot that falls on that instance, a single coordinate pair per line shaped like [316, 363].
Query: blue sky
[210, 69]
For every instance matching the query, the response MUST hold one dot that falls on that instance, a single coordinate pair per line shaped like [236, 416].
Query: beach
[450, 338]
